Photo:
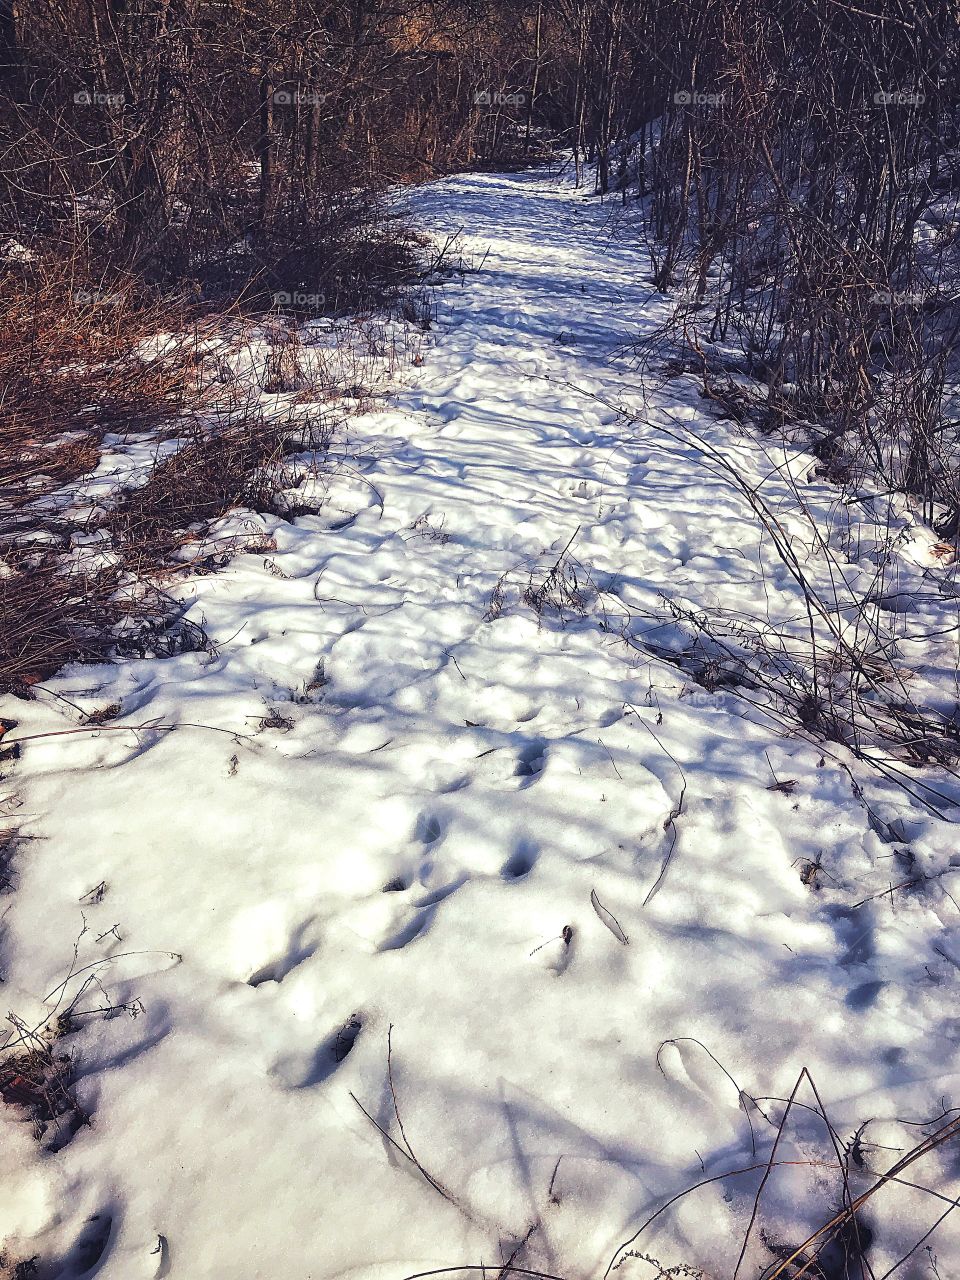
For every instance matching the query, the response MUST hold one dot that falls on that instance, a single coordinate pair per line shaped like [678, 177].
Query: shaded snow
[394, 798]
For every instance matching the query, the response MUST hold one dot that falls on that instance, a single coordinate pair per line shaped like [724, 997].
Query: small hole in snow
[346, 1037]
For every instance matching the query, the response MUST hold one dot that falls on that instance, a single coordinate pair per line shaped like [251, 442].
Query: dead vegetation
[73, 368]
[561, 590]
[174, 402]
[35, 1073]
[37, 1082]
[76, 366]
[9, 840]
[49, 617]
[243, 416]
[22, 1269]
[844, 1190]
[82, 373]
[37, 1069]
[239, 464]
[839, 671]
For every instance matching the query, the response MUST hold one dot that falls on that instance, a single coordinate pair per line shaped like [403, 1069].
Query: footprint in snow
[433, 897]
[864, 996]
[690, 1065]
[160, 1254]
[457, 783]
[428, 829]
[531, 762]
[91, 1245]
[445, 778]
[401, 932]
[299, 1072]
[521, 862]
[408, 931]
[399, 884]
[583, 489]
[299, 948]
[854, 934]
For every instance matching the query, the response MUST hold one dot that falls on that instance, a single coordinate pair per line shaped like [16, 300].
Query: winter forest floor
[446, 838]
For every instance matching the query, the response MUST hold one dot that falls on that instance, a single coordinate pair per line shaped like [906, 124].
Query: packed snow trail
[417, 805]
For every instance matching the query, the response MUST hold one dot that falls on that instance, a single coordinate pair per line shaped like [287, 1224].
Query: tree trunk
[265, 148]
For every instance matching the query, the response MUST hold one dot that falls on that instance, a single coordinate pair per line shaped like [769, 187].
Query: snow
[393, 801]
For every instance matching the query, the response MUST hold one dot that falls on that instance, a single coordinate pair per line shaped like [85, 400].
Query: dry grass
[72, 369]
[563, 591]
[49, 617]
[10, 840]
[195, 485]
[82, 357]
[37, 1082]
[77, 364]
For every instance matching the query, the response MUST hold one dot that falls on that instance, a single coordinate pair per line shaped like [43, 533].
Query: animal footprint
[428, 829]
[690, 1064]
[531, 762]
[91, 1245]
[521, 862]
[436, 896]
[346, 1038]
[409, 931]
[855, 934]
[299, 949]
[323, 1062]
[451, 784]
[162, 1256]
[399, 884]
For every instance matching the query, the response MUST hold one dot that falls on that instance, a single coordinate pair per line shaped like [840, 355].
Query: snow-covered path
[417, 805]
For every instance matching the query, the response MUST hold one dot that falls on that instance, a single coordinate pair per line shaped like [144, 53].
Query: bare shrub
[37, 1082]
[193, 486]
[799, 167]
[564, 589]
[49, 617]
[74, 366]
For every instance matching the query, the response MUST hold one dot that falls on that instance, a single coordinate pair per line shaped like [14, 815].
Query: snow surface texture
[402, 799]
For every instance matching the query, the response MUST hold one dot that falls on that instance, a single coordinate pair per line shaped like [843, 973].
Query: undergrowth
[227, 410]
